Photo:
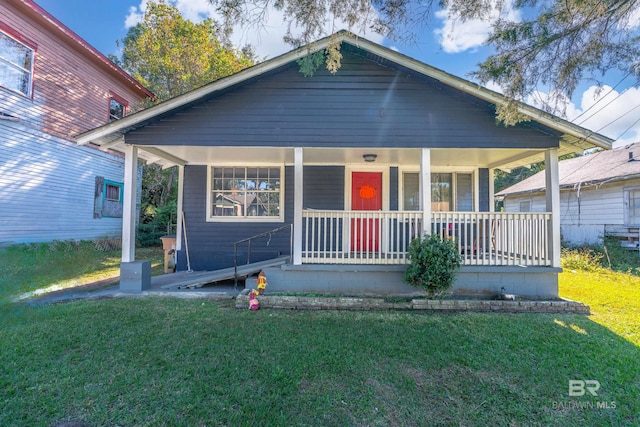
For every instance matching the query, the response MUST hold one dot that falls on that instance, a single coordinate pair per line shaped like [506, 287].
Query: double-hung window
[16, 65]
[245, 193]
[632, 205]
[449, 191]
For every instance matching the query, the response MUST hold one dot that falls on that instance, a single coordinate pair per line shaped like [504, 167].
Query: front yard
[184, 362]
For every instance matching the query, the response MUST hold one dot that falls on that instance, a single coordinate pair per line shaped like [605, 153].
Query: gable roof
[53, 24]
[594, 169]
[111, 135]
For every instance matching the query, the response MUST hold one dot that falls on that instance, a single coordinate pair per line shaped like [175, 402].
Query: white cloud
[606, 111]
[492, 85]
[458, 36]
[266, 38]
[134, 16]
[633, 22]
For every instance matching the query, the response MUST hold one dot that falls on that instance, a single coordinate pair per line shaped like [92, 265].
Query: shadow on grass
[177, 362]
[45, 267]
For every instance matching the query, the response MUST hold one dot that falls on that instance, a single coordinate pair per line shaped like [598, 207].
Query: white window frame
[11, 65]
[525, 201]
[212, 218]
[627, 205]
[454, 183]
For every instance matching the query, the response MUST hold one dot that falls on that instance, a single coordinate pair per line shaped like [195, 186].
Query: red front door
[366, 195]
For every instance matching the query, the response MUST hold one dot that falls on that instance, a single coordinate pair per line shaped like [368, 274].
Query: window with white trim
[451, 191]
[633, 206]
[245, 193]
[16, 65]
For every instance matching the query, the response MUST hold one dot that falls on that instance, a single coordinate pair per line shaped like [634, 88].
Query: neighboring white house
[599, 195]
[53, 86]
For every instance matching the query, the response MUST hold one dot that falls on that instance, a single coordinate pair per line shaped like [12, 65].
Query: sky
[613, 111]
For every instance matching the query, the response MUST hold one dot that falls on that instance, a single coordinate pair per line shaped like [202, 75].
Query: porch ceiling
[440, 157]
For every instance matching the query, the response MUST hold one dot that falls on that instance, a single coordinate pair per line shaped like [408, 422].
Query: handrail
[249, 239]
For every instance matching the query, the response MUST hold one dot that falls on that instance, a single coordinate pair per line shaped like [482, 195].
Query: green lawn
[174, 362]
[42, 268]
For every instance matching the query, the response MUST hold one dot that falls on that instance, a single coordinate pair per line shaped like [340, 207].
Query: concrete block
[135, 276]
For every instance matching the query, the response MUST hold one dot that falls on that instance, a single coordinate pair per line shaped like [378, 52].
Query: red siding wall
[71, 86]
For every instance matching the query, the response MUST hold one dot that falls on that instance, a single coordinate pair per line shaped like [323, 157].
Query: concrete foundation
[538, 282]
[135, 276]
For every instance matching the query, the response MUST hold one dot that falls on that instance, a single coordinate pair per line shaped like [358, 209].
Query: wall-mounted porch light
[369, 157]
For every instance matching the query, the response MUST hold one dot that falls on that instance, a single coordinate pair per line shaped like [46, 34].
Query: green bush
[155, 223]
[611, 255]
[434, 263]
[584, 259]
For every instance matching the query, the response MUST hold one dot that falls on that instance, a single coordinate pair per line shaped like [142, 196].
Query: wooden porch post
[492, 190]
[553, 203]
[129, 203]
[425, 189]
[180, 207]
[297, 206]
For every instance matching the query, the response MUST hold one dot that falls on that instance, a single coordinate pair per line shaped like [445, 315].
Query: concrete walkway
[159, 288]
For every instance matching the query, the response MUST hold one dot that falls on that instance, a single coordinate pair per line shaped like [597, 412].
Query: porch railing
[382, 237]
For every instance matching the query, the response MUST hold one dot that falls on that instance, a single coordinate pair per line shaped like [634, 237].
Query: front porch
[382, 238]
[329, 249]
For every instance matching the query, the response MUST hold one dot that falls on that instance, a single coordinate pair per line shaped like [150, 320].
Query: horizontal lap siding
[70, 86]
[362, 105]
[324, 187]
[211, 243]
[47, 188]
[604, 205]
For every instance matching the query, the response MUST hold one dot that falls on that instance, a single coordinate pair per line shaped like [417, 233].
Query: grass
[175, 362]
[41, 268]
[614, 298]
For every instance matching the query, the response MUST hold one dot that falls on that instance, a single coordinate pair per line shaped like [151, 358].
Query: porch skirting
[537, 282]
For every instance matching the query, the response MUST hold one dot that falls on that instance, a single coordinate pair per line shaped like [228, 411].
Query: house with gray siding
[350, 167]
[599, 196]
[54, 85]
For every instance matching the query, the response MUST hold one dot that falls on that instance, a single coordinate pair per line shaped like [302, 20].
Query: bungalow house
[54, 85]
[352, 166]
[599, 196]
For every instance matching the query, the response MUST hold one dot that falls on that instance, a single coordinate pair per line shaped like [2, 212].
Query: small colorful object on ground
[262, 282]
[253, 301]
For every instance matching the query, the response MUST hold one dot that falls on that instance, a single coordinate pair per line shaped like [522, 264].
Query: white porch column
[297, 206]
[425, 189]
[492, 190]
[553, 203]
[129, 203]
[179, 208]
